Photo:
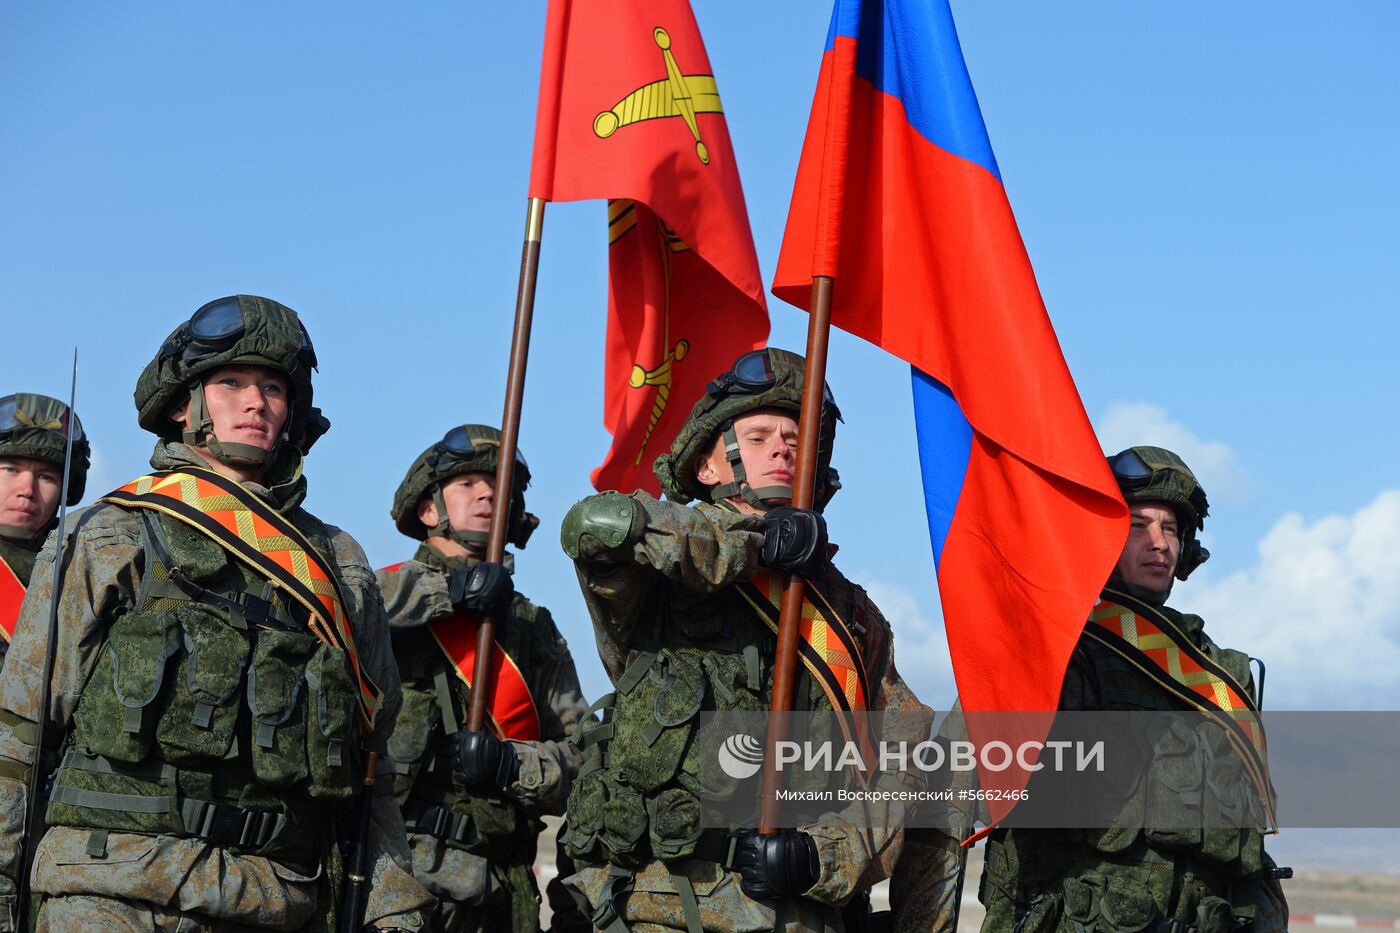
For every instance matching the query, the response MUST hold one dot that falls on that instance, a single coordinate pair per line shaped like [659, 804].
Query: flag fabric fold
[629, 110]
[899, 197]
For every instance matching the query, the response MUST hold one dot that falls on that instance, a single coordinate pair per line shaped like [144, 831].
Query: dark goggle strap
[14, 419]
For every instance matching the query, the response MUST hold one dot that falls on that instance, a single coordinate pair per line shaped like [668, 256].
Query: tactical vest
[435, 702]
[648, 765]
[1127, 878]
[212, 711]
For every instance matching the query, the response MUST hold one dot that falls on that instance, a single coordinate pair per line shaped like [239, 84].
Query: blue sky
[1206, 190]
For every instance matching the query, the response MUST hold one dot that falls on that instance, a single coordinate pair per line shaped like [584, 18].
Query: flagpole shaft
[510, 432]
[803, 495]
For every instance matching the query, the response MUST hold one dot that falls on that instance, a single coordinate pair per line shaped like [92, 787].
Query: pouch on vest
[624, 821]
[408, 744]
[200, 718]
[277, 701]
[585, 816]
[673, 818]
[117, 714]
[331, 711]
[652, 720]
[1174, 788]
[1108, 904]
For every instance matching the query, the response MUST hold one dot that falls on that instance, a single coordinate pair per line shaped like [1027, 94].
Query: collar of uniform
[286, 488]
[429, 555]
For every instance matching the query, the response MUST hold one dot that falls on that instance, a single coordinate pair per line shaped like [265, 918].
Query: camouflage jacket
[104, 561]
[415, 593]
[1038, 878]
[683, 562]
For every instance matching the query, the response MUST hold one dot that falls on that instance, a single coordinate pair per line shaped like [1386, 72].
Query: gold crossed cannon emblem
[676, 95]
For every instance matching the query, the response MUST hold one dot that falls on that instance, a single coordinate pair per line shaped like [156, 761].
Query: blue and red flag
[899, 198]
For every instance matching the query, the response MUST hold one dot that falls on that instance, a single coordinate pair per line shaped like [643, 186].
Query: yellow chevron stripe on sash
[827, 648]
[1148, 640]
[256, 534]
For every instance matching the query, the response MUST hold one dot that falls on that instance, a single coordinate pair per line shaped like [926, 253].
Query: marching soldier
[1201, 879]
[222, 667]
[32, 443]
[684, 601]
[472, 800]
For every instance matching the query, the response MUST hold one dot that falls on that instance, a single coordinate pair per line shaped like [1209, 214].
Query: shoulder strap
[828, 649]
[511, 707]
[12, 591]
[1144, 637]
[260, 537]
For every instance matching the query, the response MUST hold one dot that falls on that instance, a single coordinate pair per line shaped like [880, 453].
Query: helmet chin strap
[471, 540]
[764, 497]
[200, 433]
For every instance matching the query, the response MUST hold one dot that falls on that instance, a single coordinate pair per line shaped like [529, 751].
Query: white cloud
[920, 645]
[1321, 607]
[1128, 424]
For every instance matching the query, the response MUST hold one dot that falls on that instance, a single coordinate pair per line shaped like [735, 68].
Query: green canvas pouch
[277, 701]
[198, 723]
[117, 714]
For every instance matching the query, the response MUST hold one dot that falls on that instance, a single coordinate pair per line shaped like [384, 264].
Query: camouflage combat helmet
[469, 448]
[1152, 474]
[35, 426]
[241, 329]
[769, 378]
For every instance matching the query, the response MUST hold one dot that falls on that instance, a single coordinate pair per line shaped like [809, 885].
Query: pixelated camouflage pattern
[208, 882]
[681, 564]
[1106, 880]
[476, 891]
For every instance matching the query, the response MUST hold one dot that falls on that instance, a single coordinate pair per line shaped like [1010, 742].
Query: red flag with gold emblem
[629, 110]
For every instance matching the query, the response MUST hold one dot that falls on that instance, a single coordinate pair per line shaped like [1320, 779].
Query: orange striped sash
[828, 650]
[1145, 638]
[11, 597]
[256, 534]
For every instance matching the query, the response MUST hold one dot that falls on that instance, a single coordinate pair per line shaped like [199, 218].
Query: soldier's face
[767, 447]
[1153, 546]
[248, 405]
[470, 499]
[29, 491]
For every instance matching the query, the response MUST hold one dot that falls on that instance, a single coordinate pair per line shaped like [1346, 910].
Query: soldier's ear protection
[1193, 554]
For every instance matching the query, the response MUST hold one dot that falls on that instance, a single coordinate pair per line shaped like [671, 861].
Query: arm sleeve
[548, 766]
[622, 544]
[101, 578]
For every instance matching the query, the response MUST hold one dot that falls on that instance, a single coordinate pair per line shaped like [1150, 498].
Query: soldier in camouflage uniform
[663, 581]
[470, 801]
[32, 444]
[1206, 879]
[205, 740]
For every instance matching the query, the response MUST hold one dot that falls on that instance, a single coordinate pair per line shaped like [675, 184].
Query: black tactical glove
[794, 540]
[485, 763]
[484, 588]
[776, 866]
